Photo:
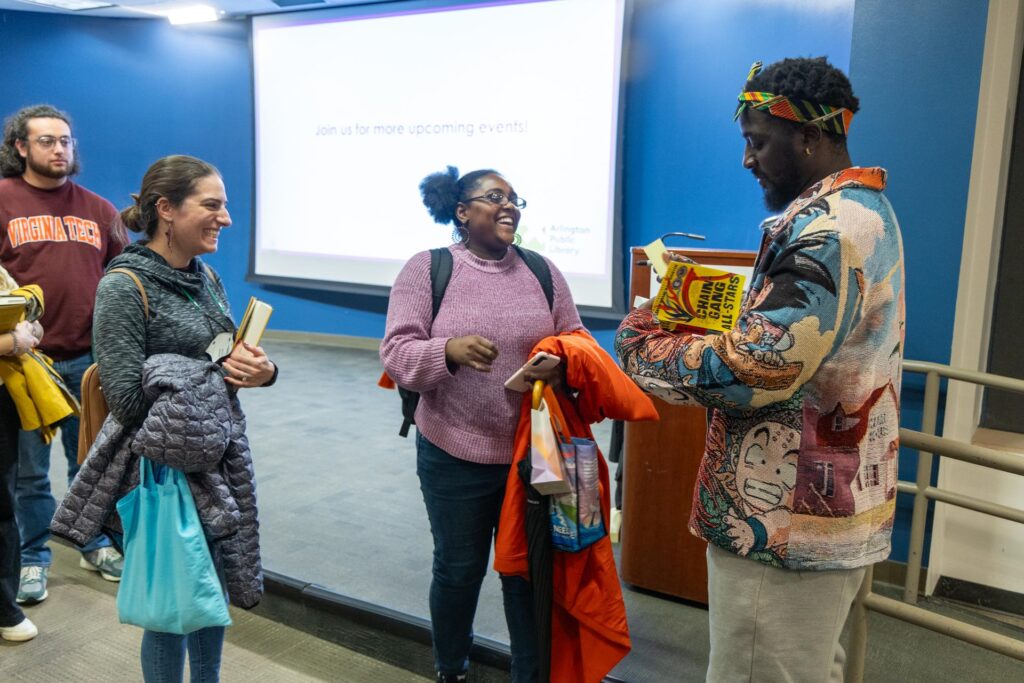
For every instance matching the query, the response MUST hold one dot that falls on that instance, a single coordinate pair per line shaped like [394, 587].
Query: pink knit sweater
[467, 413]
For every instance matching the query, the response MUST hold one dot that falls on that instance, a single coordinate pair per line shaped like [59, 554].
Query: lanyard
[212, 296]
[199, 308]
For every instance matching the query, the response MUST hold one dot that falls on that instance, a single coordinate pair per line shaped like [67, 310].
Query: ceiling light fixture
[190, 14]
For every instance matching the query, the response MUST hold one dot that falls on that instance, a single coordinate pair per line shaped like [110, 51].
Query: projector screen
[354, 107]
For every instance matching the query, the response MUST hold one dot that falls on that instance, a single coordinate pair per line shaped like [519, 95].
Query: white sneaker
[26, 630]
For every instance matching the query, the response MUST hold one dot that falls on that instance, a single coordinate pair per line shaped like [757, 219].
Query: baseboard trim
[321, 339]
[895, 573]
[980, 595]
[385, 634]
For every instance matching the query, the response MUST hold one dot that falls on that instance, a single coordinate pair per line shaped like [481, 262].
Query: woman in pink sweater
[493, 312]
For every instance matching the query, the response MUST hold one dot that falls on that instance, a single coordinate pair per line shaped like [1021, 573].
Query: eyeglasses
[48, 141]
[499, 199]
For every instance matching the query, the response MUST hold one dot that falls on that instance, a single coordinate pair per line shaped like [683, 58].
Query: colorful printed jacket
[799, 468]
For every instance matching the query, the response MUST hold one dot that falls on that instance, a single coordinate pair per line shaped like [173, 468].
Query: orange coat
[589, 635]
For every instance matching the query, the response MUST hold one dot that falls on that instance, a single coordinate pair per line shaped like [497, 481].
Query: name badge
[221, 346]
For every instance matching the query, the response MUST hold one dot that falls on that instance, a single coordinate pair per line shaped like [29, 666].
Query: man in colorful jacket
[797, 487]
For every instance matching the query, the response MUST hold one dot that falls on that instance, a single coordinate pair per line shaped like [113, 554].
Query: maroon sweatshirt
[61, 240]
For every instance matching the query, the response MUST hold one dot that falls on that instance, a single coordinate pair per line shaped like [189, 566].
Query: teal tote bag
[169, 583]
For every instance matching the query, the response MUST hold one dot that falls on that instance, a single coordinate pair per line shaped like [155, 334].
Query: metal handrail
[971, 376]
[964, 452]
[928, 444]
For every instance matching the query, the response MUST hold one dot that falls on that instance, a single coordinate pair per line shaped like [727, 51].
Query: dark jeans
[10, 540]
[163, 656]
[463, 502]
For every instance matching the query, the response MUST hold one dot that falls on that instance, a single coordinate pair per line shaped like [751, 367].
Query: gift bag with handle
[547, 473]
[576, 519]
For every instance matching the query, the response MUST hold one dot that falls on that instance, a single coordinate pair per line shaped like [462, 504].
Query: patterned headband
[832, 119]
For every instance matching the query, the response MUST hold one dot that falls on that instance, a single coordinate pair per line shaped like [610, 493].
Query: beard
[778, 198]
[779, 192]
[47, 171]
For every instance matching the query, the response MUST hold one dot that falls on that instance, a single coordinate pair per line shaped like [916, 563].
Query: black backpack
[440, 274]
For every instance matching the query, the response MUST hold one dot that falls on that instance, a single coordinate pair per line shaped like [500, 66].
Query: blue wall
[140, 89]
[916, 67]
[682, 151]
[919, 100]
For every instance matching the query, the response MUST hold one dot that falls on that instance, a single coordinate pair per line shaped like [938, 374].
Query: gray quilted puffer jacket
[195, 425]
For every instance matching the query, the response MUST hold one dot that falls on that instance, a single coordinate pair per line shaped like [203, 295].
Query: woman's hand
[248, 366]
[473, 351]
[553, 377]
[24, 338]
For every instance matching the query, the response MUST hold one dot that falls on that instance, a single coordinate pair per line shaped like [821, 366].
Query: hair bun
[440, 192]
[132, 218]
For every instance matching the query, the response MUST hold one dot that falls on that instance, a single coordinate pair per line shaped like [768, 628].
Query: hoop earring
[807, 151]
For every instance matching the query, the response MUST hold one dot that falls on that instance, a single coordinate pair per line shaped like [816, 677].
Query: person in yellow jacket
[14, 625]
[38, 391]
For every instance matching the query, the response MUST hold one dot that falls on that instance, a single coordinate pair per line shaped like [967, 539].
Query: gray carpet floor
[340, 506]
[80, 640]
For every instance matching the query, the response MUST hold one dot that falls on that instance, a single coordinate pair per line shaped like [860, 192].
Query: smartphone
[541, 361]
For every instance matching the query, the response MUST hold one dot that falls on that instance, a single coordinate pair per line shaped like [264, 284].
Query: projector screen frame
[618, 295]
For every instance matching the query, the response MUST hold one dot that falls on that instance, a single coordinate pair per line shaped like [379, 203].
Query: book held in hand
[698, 298]
[12, 311]
[254, 322]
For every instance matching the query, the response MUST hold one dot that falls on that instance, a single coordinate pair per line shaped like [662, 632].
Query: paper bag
[547, 473]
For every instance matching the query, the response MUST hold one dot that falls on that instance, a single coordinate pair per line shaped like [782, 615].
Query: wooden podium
[661, 458]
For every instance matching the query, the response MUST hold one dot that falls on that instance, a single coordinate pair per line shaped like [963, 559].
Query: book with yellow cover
[698, 297]
[254, 322]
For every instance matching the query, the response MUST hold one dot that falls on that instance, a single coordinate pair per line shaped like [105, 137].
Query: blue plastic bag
[169, 583]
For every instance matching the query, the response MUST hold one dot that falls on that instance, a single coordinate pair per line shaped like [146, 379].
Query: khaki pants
[770, 624]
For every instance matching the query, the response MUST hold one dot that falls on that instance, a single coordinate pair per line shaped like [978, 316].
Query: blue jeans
[463, 501]
[35, 501]
[163, 656]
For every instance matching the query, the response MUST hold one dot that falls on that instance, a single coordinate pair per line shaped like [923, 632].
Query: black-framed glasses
[48, 141]
[499, 198]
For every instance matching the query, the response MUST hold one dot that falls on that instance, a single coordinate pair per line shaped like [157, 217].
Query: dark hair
[173, 178]
[16, 128]
[443, 191]
[807, 78]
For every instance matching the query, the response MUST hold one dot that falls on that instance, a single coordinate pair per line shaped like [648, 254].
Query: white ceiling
[149, 8]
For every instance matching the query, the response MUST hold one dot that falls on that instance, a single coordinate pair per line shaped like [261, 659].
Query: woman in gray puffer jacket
[181, 208]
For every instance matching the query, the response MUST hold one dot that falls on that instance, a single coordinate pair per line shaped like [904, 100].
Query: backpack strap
[138, 283]
[440, 274]
[536, 263]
